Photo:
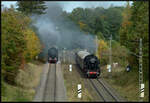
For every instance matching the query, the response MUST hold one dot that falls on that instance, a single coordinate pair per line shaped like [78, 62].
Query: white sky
[8, 3]
[70, 5]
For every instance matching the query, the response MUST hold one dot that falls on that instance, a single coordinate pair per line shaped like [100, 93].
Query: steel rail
[97, 90]
[55, 85]
[108, 91]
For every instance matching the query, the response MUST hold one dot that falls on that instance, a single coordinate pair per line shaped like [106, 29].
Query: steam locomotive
[52, 55]
[88, 63]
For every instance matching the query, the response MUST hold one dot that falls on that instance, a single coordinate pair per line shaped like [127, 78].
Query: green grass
[71, 80]
[126, 83]
[13, 93]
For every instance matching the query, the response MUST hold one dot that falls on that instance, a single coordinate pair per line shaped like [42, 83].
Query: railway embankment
[27, 80]
[125, 83]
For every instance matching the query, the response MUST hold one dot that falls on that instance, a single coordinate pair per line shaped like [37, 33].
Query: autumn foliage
[102, 48]
[135, 26]
[19, 43]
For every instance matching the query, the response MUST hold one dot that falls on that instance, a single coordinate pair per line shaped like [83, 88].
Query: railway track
[103, 91]
[50, 86]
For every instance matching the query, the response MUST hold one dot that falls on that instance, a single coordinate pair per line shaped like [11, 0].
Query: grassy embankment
[72, 79]
[27, 80]
[125, 83]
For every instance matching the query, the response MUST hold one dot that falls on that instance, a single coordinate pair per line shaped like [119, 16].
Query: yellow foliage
[102, 48]
[33, 44]
[81, 24]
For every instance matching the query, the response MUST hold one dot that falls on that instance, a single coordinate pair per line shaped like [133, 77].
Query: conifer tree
[31, 7]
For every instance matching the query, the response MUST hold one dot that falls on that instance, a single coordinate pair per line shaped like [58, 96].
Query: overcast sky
[70, 5]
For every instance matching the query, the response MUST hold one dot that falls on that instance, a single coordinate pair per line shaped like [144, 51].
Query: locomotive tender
[88, 63]
[52, 55]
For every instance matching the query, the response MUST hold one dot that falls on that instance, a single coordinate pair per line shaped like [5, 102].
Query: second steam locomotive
[53, 55]
[88, 63]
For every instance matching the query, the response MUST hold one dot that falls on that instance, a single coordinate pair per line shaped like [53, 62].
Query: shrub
[18, 42]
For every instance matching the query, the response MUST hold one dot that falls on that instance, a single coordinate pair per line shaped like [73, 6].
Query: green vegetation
[31, 7]
[71, 82]
[125, 83]
[119, 53]
[16, 43]
[20, 45]
[135, 26]
[98, 20]
[25, 88]
[13, 93]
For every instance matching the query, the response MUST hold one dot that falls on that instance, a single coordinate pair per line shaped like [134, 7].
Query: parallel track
[95, 87]
[106, 88]
[101, 88]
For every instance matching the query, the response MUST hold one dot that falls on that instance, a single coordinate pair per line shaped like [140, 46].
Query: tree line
[135, 26]
[20, 44]
[98, 21]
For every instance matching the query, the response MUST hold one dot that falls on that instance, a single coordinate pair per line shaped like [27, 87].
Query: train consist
[88, 63]
[53, 55]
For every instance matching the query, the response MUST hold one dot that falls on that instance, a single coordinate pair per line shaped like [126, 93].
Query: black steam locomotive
[52, 55]
[88, 63]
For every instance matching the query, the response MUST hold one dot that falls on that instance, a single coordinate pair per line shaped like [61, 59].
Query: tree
[98, 19]
[31, 7]
[123, 32]
[102, 48]
[135, 26]
[114, 19]
[139, 29]
[16, 43]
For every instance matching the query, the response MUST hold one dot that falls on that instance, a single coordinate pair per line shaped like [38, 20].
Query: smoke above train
[55, 29]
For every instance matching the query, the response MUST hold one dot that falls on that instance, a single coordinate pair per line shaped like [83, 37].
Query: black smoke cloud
[56, 30]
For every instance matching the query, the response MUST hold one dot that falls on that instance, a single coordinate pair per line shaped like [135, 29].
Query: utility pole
[64, 55]
[110, 55]
[96, 44]
[141, 84]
